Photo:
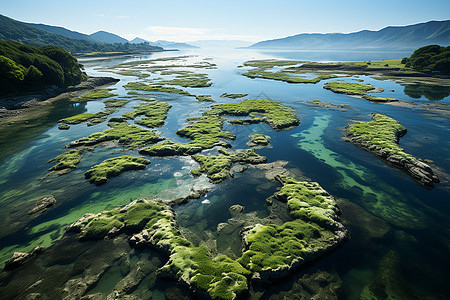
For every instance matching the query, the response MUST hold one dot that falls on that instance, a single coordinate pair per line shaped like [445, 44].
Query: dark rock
[42, 205]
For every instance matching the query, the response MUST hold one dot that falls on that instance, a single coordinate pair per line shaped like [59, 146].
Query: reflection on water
[429, 92]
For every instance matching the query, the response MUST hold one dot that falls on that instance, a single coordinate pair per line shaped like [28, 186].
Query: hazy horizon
[251, 21]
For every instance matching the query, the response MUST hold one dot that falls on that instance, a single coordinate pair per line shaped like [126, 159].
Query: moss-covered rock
[357, 89]
[272, 250]
[258, 139]
[155, 88]
[155, 113]
[276, 115]
[63, 127]
[331, 106]
[99, 174]
[67, 161]
[380, 137]
[217, 168]
[123, 133]
[204, 98]
[233, 96]
[104, 93]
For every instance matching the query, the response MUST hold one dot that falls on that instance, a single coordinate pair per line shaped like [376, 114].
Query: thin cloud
[163, 30]
[122, 17]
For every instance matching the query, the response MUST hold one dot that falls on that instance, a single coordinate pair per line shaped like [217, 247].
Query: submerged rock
[236, 209]
[41, 205]
[19, 258]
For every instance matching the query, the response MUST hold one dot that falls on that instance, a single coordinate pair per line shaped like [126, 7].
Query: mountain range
[392, 37]
[72, 41]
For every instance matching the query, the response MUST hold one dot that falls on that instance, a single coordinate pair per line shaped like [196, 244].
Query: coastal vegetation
[130, 136]
[233, 96]
[83, 117]
[204, 98]
[206, 131]
[380, 137]
[155, 113]
[217, 168]
[270, 248]
[67, 161]
[258, 139]
[357, 89]
[28, 68]
[155, 88]
[432, 58]
[99, 174]
[98, 94]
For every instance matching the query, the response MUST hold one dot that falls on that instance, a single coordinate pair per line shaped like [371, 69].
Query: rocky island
[380, 137]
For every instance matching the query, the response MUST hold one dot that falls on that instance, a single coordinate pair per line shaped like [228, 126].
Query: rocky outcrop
[380, 138]
[19, 258]
[41, 205]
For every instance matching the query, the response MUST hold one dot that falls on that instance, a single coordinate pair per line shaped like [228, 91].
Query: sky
[249, 20]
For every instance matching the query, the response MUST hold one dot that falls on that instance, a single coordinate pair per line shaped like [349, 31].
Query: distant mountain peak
[392, 37]
[107, 37]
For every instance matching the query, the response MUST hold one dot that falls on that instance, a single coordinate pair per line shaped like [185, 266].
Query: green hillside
[12, 30]
[29, 68]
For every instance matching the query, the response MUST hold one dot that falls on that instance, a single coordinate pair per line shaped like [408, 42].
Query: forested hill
[43, 35]
[28, 68]
[393, 38]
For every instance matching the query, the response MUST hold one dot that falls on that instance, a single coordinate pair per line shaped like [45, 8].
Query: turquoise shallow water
[416, 218]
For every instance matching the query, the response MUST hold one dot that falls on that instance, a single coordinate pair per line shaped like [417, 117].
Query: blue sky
[251, 20]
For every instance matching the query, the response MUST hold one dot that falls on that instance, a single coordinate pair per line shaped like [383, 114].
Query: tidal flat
[252, 198]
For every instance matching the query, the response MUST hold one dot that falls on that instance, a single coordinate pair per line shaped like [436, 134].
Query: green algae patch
[204, 98]
[380, 137]
[152, 224]
[258, 139]
[192, 80]
[104, 93]
[220, 277]
[131, 218]
[155, 88]
[272, 250]
[281, 76]
[218, 168]
[276, 115]
[63, 127]
[348, 88]
[233, 96]
[115, 103]
[206, 131]
[66, 162]
[356, 89]
[155, 113]
[83, 117]
[262, 70]
[99, 174]
[126, 135]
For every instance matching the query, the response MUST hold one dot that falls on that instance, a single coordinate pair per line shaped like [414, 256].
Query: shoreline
[21, 108]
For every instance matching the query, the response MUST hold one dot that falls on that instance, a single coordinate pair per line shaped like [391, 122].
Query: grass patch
[204, 98]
